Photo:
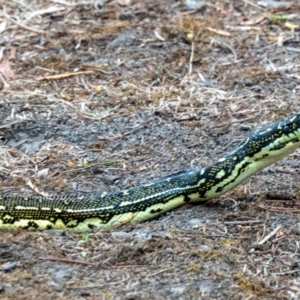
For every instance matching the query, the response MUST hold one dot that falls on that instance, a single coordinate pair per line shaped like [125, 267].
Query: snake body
[263, 147]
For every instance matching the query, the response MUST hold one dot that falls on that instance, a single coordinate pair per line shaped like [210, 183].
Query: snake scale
[263, 147]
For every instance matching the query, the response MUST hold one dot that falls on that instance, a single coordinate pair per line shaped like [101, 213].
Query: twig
[156, 273]
[231, 143]
[64, 75]
[33, 187]
[287, 272]
[23, 26]
[12, 123]
[98, 285]
[73, 4]
[280, 210]
[242, 222]
[5, 84]
[127, 266]
[271, 234]
[235, 121]
[191, 59]
[293, 49]
[231, 49]
[266, 238]
[67, 260]
[253, 4]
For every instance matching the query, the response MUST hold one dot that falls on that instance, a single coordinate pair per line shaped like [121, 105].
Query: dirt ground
[106, 95]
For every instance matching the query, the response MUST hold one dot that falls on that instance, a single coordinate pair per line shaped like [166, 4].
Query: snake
[264, 146]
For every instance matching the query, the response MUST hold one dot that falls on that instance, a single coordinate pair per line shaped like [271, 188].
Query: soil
[106, 95]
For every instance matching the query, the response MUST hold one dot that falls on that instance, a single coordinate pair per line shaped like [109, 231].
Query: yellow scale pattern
[263, 147]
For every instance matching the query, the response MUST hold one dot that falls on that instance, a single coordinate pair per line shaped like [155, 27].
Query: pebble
[256, 88]
[9, 266]
[248, 82]
[193, 4]
[195, 221]
[60, 275]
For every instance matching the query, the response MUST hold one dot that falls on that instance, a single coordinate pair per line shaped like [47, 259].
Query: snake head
[277, 139]
[286, 126]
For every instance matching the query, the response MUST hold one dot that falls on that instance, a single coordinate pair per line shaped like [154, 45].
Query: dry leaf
[66, 96]
[220, 32]
[64, 75]
[5, 68]
[158, 35]
[3, 26]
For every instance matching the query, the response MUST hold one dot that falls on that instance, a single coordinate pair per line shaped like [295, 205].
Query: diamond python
[262, 147]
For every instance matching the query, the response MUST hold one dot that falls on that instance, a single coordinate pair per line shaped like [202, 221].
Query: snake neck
[229, 171]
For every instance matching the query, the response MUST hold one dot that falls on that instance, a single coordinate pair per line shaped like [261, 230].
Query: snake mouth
[282, 145]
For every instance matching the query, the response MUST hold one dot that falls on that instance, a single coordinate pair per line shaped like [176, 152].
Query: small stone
[245, 127]
[179, 289]
[60, 275]
[195, 221]
[256, 88]
[9, 266]
[248, 82]
[193, 4]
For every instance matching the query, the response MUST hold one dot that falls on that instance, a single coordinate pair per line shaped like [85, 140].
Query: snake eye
[286, 128]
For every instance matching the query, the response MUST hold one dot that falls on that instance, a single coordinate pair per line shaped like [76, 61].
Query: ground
[105, 95]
